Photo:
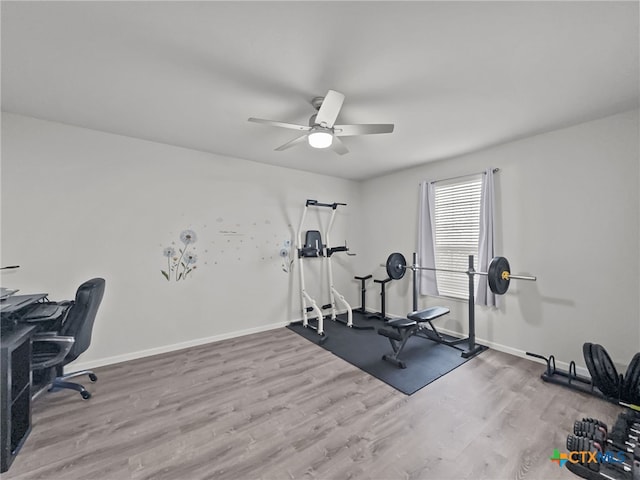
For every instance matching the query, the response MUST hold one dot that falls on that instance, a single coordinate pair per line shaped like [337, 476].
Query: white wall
[78, 203]
[568, 211]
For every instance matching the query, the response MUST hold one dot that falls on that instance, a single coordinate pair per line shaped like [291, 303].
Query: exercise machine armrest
[332, 250]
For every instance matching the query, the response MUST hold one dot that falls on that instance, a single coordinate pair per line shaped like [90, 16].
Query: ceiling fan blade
[338, 146]
[330, 108]
[292, 143]
[364, 129]
[275, 123]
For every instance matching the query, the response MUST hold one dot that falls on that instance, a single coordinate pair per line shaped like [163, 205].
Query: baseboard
[519, 353]
[101, 362]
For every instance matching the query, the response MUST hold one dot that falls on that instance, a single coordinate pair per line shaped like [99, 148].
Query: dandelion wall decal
[188, 236]
[181, 266]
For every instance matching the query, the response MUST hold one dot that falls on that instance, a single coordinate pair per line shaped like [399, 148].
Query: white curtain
[484, 296]
[427, 239]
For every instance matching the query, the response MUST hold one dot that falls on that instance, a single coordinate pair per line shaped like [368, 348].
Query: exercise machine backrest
[313, 246]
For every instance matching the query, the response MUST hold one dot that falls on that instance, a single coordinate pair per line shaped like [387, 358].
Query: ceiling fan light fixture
[320, 139]
[321, 128]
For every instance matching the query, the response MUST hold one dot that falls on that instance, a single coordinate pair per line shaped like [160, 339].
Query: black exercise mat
[426, 360]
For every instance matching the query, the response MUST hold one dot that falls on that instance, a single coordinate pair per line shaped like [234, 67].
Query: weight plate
[609, 374]
[588, 360]
[631, 387]
[635, 388]
[597, 369]
[602, 381]
[498, 283]
[396, 266]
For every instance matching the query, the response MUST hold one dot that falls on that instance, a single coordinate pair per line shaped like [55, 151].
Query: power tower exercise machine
[313, 247]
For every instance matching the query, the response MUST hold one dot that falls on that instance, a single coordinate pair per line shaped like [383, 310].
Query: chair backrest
[78, 322]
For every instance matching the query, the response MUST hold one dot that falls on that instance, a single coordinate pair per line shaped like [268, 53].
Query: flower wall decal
[179, 266]
[188, 236]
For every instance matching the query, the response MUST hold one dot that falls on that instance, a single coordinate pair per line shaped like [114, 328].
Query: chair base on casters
[60, 382]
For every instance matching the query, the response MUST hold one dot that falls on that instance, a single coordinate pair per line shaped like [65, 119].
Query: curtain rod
[462, 176]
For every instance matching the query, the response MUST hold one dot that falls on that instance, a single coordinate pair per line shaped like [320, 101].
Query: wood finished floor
[275, 406]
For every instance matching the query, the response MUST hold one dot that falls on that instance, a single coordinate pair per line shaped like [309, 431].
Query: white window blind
[457, 225]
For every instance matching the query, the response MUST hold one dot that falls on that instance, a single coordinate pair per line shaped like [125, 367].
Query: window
[457, 228]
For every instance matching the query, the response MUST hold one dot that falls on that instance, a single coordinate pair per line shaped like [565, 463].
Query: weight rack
[604, 383]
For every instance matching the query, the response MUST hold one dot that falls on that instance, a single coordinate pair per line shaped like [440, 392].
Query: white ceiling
[454, 77]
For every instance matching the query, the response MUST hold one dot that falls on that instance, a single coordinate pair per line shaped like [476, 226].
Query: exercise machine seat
[401, 323]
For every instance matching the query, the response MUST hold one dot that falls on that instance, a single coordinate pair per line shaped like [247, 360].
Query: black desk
[15, 303]
[15, 374]
[15, 391]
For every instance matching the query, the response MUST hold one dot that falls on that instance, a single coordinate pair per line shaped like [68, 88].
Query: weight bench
[417, 324]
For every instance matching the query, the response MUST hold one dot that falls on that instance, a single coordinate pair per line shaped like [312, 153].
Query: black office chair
[54, 349]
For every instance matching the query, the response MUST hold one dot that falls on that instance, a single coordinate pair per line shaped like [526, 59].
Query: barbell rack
[498, 278]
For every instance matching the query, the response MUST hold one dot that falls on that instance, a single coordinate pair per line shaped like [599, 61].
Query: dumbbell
[625, 425]
[590, 430]
[583, 444]
[595, 421]
[624, 429]
[597, 434]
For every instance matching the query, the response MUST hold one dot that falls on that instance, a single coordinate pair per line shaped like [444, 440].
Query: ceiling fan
[322, 131]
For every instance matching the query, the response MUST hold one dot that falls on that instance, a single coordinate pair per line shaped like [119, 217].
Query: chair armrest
[43, 336]
[64, 344]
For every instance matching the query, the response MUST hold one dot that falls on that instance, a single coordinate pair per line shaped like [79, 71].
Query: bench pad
[401, 323]
[428, 314]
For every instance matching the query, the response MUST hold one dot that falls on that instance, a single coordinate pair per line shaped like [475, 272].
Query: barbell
[498, 276]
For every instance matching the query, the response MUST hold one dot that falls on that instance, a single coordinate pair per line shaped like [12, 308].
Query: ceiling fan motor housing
[316, 102]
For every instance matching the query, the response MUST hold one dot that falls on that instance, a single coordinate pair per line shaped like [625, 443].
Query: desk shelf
[15, 393]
